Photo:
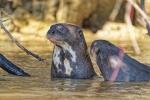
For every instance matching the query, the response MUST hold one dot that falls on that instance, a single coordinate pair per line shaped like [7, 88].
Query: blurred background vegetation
[35, 16]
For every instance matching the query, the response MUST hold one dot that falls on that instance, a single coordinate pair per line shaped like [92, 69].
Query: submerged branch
[17, 43]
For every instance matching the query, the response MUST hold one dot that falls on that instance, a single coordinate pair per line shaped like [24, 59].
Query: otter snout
[57, 32]
[51, 31]
[57, 29]
[51, 34]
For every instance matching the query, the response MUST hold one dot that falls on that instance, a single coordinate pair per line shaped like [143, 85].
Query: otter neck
[74, 52]
[71, 62]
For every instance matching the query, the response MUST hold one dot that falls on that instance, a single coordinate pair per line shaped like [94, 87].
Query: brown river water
[40, 86]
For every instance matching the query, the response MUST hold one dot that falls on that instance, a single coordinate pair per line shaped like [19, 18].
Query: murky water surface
[41, 87]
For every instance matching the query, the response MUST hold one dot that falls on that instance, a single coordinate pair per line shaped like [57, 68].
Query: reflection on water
[41, 87]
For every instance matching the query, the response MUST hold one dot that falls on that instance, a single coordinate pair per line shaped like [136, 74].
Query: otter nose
[52, 30]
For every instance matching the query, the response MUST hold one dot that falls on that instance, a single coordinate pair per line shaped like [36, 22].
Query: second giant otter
[115, 65]
[70, 55]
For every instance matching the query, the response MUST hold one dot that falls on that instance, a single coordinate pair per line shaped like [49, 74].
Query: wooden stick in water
[17, 43]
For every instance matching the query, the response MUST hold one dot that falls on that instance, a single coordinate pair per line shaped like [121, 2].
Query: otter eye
[61, 28]
[52, 32]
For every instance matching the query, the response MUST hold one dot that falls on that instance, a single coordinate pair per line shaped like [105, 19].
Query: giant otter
[10, 67]
[115, 65]
[70, 55]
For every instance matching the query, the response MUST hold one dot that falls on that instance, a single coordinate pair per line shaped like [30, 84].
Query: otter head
[72, 55]
[66, 34]
[109, 58]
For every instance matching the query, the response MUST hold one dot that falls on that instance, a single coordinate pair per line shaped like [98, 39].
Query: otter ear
[81, 36]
